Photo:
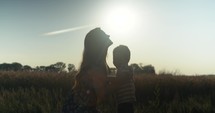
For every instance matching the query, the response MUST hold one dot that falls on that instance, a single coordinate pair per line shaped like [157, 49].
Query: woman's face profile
[97, 37]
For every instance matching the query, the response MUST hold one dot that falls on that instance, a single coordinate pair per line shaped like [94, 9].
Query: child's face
[119, 60]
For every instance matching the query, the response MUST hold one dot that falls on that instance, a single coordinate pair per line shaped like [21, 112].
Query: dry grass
[38, 92]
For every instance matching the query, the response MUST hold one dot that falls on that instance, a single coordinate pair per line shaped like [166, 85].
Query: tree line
[57, 67]
[61, 67]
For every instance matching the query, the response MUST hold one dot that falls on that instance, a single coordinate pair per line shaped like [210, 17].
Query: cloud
[66, 30]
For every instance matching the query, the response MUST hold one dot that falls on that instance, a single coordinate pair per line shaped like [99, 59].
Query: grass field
[42, 92]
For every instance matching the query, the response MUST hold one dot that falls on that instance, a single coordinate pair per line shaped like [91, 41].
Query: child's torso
[126, 89]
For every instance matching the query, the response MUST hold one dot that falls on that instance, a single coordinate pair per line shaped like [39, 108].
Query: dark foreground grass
[38, 92]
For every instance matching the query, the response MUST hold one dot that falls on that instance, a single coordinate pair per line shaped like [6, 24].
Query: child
[125, 93]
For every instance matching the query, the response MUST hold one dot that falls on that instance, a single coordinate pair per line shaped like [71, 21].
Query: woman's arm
[99, 83]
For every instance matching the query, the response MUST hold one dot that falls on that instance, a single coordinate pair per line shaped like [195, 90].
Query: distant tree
[5, 67]
[27, 68]
[40, 68]
[59, 66]
[149, 69]
[71, 67]
[16, 66]
[37, 68]
[50, 68]
[140, 69]
[136, 68]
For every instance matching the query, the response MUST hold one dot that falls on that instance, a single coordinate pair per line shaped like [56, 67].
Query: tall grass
[175, 94]
[39, 92]
[33, 92]
[23, 100]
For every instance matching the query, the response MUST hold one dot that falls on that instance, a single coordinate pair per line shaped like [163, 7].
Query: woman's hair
[96, 44]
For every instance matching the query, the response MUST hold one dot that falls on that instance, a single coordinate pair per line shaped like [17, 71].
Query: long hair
[96, 44]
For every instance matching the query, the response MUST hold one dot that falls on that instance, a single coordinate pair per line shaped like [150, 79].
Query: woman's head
[96, 44]
[97, 38]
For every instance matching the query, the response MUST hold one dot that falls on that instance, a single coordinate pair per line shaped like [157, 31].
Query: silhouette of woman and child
[91, 83]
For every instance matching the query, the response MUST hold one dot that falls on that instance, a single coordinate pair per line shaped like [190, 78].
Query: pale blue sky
[171, 34]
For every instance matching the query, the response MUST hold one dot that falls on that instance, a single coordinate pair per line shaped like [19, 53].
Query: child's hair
[122, 51]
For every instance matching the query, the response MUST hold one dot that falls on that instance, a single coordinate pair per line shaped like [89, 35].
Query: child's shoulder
[125, 68]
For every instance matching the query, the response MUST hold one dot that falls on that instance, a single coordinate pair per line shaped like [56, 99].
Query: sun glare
[120, 20]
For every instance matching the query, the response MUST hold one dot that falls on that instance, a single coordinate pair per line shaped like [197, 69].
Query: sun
[120, 20]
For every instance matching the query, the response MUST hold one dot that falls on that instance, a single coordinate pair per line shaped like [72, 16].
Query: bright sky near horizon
[169, 34]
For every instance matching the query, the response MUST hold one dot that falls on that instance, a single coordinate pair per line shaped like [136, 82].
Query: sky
[171, 35]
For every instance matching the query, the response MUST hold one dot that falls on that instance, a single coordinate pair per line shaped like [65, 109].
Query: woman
[90, 84]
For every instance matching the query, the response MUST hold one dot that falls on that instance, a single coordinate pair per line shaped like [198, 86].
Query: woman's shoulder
[95, 71]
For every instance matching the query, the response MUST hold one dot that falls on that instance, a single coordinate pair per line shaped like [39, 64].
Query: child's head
[121, 55]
